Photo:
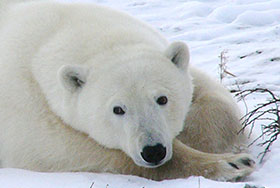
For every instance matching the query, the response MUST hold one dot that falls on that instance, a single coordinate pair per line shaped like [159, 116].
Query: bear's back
[93, 25]
[43, 36]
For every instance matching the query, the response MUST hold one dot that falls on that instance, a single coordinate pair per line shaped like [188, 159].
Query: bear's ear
[72, 77]
[178, 53]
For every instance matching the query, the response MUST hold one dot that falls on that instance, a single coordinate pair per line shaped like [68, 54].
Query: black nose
[153, 154]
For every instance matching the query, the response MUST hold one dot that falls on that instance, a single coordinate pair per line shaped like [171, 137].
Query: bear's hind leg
[213, 123]
[212, 127]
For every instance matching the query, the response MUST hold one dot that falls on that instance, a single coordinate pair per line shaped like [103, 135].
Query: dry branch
[267, 112]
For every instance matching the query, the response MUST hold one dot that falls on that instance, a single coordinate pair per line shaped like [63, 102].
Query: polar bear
[88, 88]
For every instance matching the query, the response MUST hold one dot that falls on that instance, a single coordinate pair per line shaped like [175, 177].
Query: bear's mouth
[151, 151]
[149, 165]
[153, 160]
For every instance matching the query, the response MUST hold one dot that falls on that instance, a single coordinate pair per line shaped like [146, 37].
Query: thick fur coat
[88, 88]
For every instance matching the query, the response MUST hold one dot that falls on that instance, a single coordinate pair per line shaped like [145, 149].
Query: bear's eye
[162, 100]
[118, 110]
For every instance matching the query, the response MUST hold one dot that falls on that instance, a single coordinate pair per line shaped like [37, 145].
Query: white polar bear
[87, 88]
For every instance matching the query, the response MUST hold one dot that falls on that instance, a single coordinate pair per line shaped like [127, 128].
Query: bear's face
[139, 107]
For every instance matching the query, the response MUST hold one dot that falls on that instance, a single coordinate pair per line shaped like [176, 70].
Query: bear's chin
[142, 163]
[150, 165]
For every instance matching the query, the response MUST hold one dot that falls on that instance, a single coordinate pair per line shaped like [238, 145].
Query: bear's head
[136, 103]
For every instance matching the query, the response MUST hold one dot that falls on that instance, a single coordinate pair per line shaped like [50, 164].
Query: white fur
[65, 66]
[131, 72]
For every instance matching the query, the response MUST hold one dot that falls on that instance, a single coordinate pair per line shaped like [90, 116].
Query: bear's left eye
[118, 110]
[162, 100]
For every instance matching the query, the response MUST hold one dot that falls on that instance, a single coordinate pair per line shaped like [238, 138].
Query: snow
[248, 31]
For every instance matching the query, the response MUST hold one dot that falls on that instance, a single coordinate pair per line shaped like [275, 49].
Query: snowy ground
[248, 31]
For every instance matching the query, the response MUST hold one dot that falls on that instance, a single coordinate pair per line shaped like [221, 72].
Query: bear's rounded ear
[72, 77]
[178, 53]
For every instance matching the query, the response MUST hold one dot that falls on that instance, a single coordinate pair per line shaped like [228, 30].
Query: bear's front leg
[222, 167]
[190, 162]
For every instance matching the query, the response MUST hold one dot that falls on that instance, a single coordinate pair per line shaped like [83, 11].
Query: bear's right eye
[162, 100]
[118, 110]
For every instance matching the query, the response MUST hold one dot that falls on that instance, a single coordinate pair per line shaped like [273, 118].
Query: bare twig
[223, 72]
[267, 111]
